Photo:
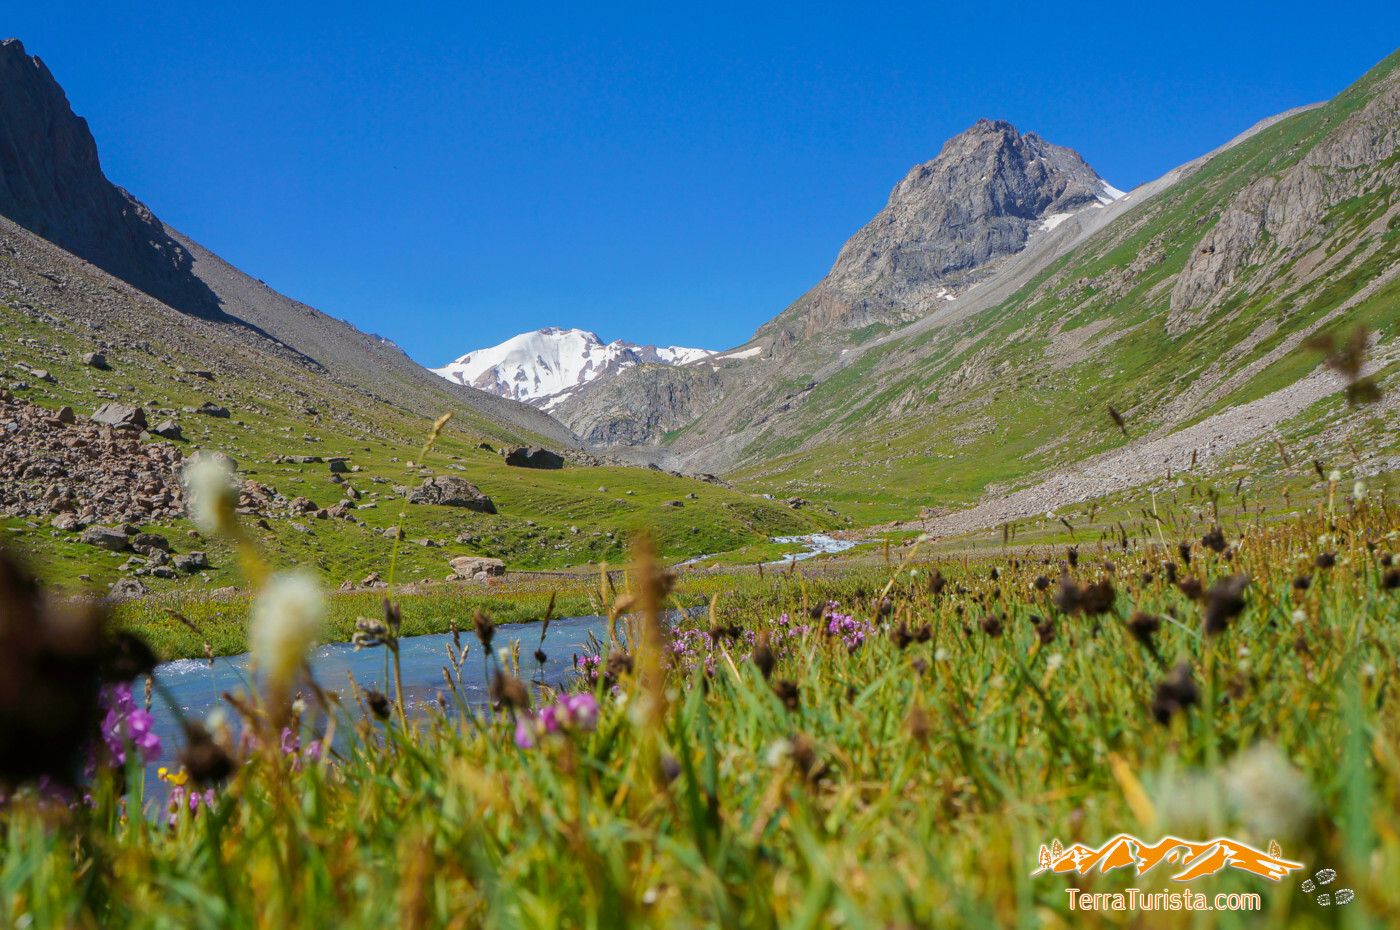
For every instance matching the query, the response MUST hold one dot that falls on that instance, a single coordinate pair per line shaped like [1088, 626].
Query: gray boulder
[447, 491]
[143, 541]
[169, 429]
[105, 537]
[127, 588]
[121, 415]
[478, 568]
[533, 457]
[192, 562]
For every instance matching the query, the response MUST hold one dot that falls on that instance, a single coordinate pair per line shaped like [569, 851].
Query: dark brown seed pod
[1143, 627]
[378, 703]
[1174, 694]
[1224, 602]
[763, 656]
[485, 629]
[509, 690]
[788, 693]
[206, 761]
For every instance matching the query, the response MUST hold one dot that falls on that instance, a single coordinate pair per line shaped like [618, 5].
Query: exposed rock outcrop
[1277, 217]
[977, 202]
[448, 491]
[533, 457]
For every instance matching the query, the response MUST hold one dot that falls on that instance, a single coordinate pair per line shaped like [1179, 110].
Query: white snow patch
[1108, 193]
[746, 353]
[1055, 219]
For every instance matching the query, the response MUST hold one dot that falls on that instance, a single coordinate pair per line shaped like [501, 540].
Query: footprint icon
[1327, 899]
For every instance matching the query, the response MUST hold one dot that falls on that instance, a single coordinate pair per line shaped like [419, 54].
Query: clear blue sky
[451, 174]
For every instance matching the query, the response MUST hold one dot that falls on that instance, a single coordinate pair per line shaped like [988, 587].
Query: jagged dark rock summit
[53, 186]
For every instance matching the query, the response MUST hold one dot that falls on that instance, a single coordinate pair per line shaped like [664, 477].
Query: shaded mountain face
[52, 184]
[544, 367]
[948, 222]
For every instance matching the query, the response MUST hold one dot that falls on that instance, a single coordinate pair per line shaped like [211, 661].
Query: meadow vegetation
[886, 747]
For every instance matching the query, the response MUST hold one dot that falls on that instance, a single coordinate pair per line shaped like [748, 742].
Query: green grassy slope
[945, 415]
[547, 519]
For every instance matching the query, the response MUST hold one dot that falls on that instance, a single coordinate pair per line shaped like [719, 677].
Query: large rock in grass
[533, 457]
[447, 491]
[477, 568]
[105, 537]
[127, 588]
[120, 415]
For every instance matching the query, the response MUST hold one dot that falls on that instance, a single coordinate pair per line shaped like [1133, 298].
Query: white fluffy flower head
[210, 493]
[286, 620]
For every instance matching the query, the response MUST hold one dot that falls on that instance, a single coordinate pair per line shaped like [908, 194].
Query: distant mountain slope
[1184, 298]
[53, 186]
[950, 223]
[542, 367]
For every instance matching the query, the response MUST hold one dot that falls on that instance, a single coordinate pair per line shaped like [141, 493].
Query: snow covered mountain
[543, 367]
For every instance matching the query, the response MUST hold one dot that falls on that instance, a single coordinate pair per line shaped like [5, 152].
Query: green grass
[909, 784]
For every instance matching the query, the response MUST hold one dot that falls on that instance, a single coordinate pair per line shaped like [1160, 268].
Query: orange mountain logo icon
[1194, 859]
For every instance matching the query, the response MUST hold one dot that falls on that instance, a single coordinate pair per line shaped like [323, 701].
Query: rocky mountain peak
[543, 367]
[53, 185]
[948, 220]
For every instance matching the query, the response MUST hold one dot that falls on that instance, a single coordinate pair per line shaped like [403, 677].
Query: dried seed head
[485, 629]
[787, 692]
[991, 625]
[1225, 602]
[1041, 583]
[1169, 569]
[1391, 579]
[763, 656]
[1097, 598]
[1184, 549]
[1066, 599]
[1326, 559]
[1191, 587]
[509, 690]
[1045, 629]
[378, 703]
[1143, 627]
[206, 761]
[1072, 556]
[918, 723]
[1175, 693]
[1214, 540]
[1302, 582]
[1118, 420]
